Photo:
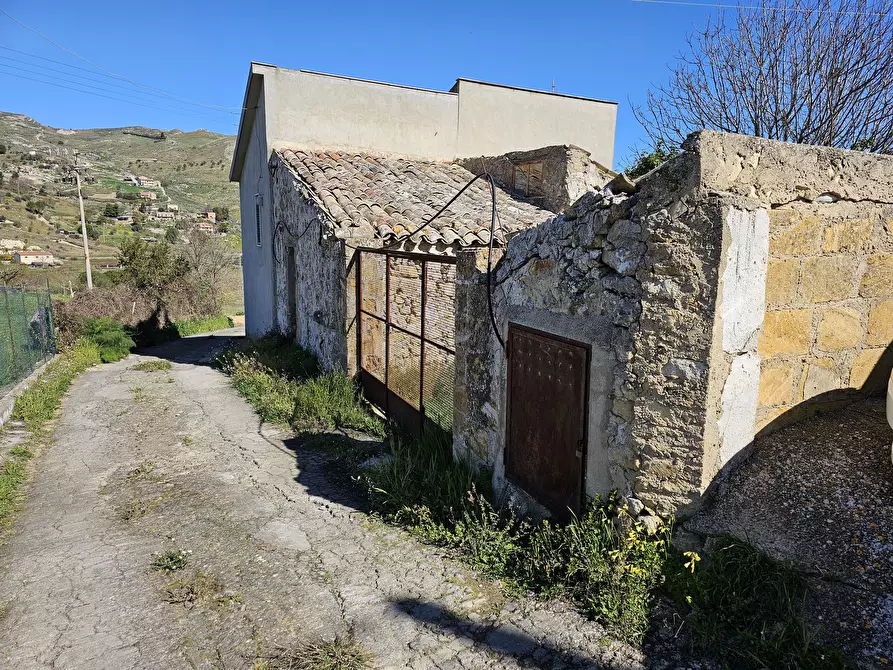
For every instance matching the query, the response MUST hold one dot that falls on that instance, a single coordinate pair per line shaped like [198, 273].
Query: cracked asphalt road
[145, 462]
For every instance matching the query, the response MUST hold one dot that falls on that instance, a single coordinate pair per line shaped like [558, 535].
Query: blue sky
[609, 49]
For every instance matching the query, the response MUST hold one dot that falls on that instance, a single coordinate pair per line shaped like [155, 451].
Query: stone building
[651, 334]
[332, 117]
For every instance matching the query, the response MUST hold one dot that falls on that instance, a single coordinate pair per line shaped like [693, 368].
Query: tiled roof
[370, 196]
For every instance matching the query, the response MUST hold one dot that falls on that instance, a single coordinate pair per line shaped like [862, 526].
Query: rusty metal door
[547, 388]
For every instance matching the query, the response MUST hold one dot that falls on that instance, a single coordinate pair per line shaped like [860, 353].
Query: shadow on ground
[503, 639]
[197, 349]
[819, 493]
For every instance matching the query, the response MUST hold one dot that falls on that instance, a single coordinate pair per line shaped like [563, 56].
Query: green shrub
[203, 325]
[109, 335]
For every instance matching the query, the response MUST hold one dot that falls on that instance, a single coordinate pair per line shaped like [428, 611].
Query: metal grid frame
[382, 394]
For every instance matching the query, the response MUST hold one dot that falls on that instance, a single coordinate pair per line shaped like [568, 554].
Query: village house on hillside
[33, 257]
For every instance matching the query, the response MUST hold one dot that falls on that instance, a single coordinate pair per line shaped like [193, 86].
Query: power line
[760, 8]
[89, 79]
[113, 74]
[100, 95]
[92, 85]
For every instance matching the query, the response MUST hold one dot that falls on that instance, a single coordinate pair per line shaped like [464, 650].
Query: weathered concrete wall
[496, 119]
[745, 284]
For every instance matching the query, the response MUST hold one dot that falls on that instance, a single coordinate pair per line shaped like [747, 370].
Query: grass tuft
[170, 560]
[206, 324]
[199, 586]
[602, 561]
[283, 383]
[36, 406]
[339, 654]
[152, 366]
[746, 610]
[109, 335]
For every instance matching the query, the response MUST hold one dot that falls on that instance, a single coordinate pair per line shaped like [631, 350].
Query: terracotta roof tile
[392, 197]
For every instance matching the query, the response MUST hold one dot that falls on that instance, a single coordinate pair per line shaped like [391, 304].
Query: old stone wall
[554, 177]
[317, 320]
[743, 285]
[632, 278]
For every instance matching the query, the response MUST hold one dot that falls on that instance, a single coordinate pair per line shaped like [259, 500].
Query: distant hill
[38, 200]
[193, 167]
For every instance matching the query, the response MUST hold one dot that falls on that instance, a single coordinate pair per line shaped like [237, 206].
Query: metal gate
[405, 326]
[547, 390]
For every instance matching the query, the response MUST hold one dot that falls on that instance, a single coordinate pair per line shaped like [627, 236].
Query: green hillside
[38, 202]
[193, 167]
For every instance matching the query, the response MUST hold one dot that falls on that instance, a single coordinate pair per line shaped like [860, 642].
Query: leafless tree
[10, 275]
[207, 259]
[809, 71]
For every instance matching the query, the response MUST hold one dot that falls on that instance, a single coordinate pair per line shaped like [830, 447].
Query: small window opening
[257, 222]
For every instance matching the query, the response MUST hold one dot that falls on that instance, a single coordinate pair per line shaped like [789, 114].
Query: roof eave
[246, 121]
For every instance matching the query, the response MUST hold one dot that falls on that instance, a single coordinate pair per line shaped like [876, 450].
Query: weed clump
[602, 560]
[284, 385]
[35, 406]
[746, 610]
[170, 560]
[204, 325]
[109, 335]
[152, 366]
[339, 654]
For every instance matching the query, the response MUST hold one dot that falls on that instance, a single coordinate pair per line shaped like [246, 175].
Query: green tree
[36, 206]
[150, 267]
[93, 231]
[646, 161]
[111, 210]
[171, 235]
[2, 179]
[222, 213]
[2, 148]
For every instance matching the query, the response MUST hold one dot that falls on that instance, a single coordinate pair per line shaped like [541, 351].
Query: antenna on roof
[553, 86]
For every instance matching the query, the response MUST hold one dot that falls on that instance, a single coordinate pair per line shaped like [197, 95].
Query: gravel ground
[820, 494]
[278, 555]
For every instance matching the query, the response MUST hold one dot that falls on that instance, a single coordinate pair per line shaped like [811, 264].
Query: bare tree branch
[816, 72]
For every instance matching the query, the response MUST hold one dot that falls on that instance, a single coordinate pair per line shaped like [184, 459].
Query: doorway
[548, 379]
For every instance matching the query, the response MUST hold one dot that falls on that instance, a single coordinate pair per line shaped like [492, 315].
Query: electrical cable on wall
[493, 219]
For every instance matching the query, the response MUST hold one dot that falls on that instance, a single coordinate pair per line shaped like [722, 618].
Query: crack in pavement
[298, 561]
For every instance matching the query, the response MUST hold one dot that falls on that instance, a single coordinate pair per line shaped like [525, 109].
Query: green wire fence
[27, 337]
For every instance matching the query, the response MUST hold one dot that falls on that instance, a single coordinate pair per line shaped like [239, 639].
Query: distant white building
[33, 257]
[146, 182]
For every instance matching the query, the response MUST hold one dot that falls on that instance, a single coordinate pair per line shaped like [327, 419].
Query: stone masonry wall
[318, 319]
[633, 278]
[743, 285]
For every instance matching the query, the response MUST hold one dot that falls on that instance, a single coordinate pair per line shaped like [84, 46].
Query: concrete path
[279, 554]
[820, 494]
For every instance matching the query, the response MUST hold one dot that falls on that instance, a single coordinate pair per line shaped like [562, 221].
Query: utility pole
[77, 175]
